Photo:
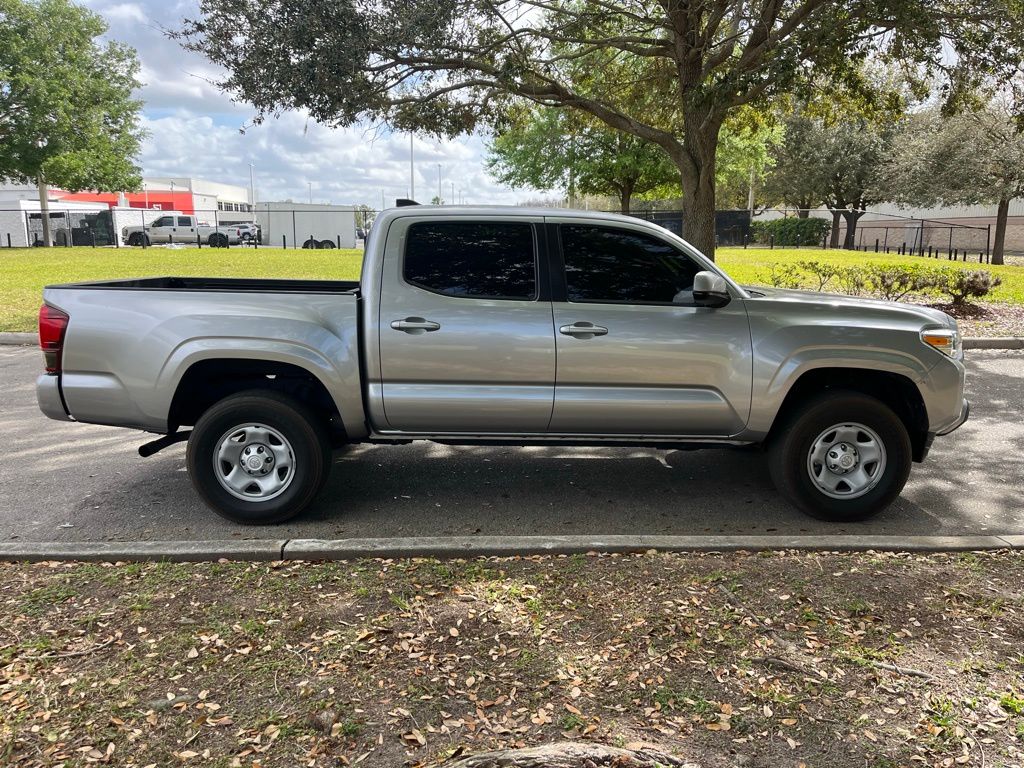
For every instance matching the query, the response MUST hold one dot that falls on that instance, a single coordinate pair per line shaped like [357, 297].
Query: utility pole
[172, 195]
[412, 171]
[310, 183]
[439, 200]
[454, 201]
[252, 191]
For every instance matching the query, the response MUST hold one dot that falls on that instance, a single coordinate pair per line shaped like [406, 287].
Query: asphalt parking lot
[75, 482]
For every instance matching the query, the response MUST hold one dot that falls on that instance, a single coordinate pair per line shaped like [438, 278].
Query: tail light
[52, 325]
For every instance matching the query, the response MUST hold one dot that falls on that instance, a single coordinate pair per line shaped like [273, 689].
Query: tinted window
[184, 221]
[164, 221]
[484, 260]
[603, 264]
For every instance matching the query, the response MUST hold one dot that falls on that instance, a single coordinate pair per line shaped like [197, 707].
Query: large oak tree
[450, 65]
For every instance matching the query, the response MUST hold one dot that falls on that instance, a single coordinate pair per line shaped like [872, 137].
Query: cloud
[195, 130]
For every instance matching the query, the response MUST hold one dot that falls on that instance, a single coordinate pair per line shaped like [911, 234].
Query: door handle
[415, 325]
[583, 330]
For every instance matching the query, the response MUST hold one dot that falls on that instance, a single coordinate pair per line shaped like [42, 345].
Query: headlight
[948, 342]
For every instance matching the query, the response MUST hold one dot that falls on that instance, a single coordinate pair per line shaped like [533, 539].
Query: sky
[195, 130]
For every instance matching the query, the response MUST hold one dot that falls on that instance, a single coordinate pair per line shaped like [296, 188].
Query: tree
[66, 112]
[669, 72]
[837, 164]
[966, 159]
[548, 148]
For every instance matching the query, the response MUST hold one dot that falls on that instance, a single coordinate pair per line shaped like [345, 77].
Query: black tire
[310, 243]
[306, 435]
[218, 240]
[137, 239]
[793, 471]
[326, 244]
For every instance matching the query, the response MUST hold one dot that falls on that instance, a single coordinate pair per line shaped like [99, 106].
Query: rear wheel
[218, 240]
[843, 456]
[258, 457]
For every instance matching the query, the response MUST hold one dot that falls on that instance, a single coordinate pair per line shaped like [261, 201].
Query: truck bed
[220, 284]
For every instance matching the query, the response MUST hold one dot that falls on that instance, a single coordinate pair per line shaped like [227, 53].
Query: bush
[852, 281]
[822, 271]
[783, 276]
[791, 231]
[893, 282]
[963, 284]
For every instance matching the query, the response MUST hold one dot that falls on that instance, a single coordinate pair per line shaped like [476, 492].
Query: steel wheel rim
[846, 461]
[254, 462]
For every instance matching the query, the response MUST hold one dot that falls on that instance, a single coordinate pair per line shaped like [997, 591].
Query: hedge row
[790, 231]
[892, 282]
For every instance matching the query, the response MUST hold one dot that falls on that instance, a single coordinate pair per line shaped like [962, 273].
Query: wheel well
[893, 389]
[210, 381]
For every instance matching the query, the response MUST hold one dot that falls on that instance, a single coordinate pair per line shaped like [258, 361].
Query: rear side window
[472, 259]
[184, 221]
[604, 264]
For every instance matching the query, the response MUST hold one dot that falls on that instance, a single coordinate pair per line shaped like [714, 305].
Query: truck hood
[926, 315]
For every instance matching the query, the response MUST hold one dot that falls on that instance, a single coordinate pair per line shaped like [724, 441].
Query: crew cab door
[186, 229]
[161, 229]
[636, 356]
[466, 341]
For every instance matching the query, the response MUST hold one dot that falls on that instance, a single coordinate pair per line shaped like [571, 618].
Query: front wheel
[258, 457]
[843, 456]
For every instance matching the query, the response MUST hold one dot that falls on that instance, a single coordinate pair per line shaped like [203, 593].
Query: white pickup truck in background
[175, 227]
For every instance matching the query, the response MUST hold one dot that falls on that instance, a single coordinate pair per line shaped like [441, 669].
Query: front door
[635, 355]
[466, 341]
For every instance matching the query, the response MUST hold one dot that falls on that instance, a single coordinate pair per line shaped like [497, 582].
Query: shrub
[783, 276]
[963, 284]
[822, 271]
[852, 281]
[893, 282]
[790, 231]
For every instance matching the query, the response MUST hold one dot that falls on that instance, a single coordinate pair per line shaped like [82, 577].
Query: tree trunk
[851, 216]
[697, 172]
[802, 213]
[999, 240]
[833, 240]
[44, 210]
[573, 755]
[625, 196]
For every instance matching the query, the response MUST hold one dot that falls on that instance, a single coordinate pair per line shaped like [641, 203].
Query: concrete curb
[476, 546]
[176, 551]
[1002, 342]
[19, 339]
[996, 342]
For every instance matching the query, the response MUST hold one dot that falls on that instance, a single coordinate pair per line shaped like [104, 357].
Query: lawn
[24, 271]
[818, 659]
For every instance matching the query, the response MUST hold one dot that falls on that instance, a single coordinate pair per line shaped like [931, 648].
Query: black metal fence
[930, 239]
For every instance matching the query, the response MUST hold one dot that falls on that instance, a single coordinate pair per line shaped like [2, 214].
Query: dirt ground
[866, 660]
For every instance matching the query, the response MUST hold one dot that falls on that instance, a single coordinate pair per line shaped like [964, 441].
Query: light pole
[310, 183]
[172, 195]
[412, 171]
[454, 201]
[439, 200]
[252, 191]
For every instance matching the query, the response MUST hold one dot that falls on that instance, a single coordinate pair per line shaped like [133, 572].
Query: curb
[996, 342]
[974, 342]
[443, 547]
[175, 551]
[19, 339]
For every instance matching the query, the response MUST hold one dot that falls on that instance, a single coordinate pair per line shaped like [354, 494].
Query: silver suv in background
[505, 325]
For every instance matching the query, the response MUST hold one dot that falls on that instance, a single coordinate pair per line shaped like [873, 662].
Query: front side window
[609, 265]
[164, 221]
[472, 259]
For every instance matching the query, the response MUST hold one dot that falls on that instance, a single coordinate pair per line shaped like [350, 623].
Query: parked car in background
[506, 325]
[181, 228]
[249, 231]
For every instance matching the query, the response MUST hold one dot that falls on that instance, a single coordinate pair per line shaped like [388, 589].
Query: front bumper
[48, 395]
[965, 412]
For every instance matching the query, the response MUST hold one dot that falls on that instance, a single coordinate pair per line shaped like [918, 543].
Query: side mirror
[710, 290]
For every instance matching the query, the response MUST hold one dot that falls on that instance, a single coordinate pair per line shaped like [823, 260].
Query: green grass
[24, 271]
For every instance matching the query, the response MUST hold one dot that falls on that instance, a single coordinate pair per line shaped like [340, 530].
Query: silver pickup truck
[505, 325]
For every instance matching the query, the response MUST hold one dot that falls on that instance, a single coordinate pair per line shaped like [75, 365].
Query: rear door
[186, 229]
[466, 341]
[635, 355]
